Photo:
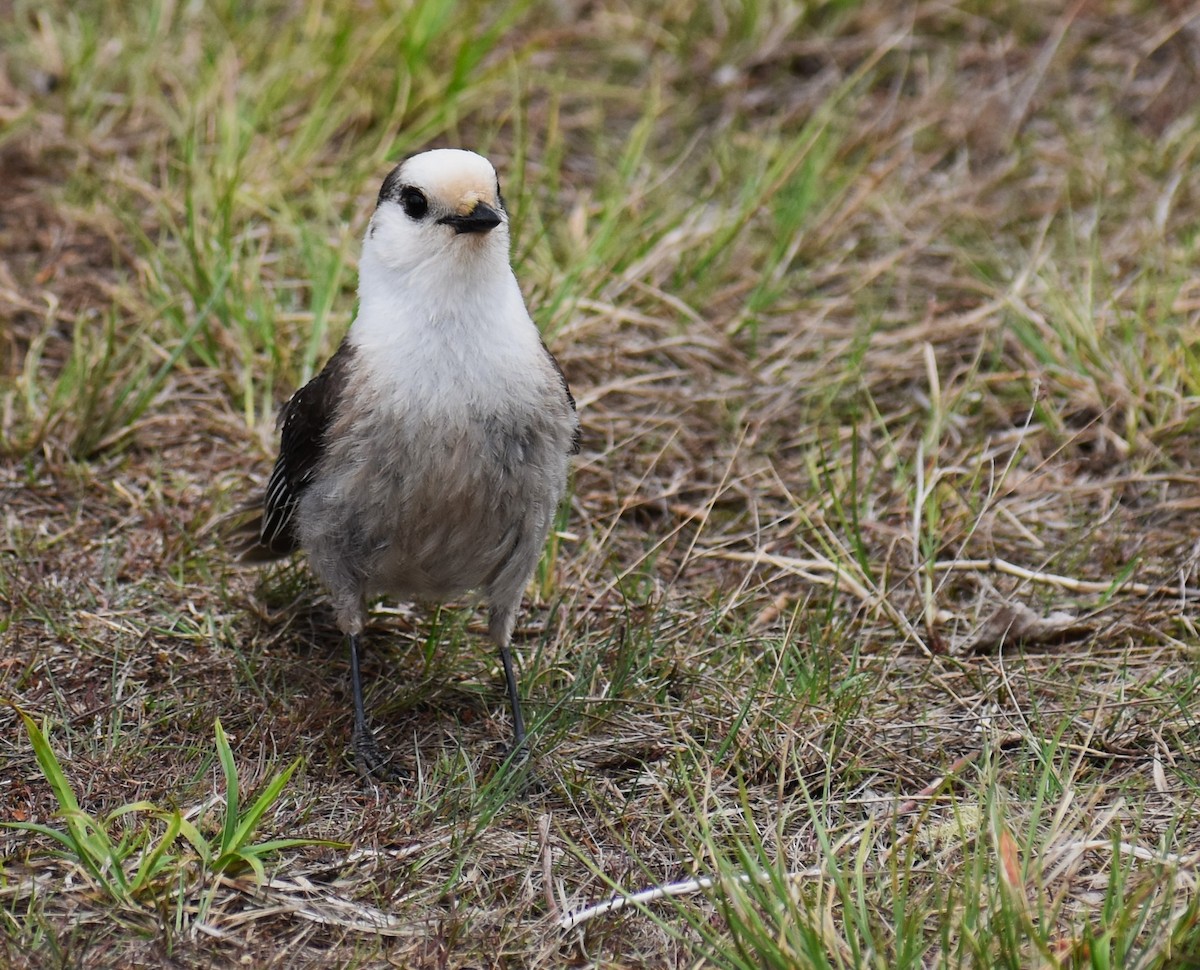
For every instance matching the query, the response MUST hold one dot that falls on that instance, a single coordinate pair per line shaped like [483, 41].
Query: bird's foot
[518, 770]
[371, 761]
[516, 756]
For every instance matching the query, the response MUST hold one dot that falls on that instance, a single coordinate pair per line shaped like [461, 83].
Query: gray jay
[428, 458]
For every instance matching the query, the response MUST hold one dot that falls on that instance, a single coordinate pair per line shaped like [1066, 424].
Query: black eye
[414, 202]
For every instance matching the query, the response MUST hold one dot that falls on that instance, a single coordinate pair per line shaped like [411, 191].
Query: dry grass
[875, 600]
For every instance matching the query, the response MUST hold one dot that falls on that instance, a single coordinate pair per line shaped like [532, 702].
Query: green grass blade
[225, 755]
[274, 845]
[249, 822]
[57, 834]
[197, 841]
[156, 859]
[48, 762]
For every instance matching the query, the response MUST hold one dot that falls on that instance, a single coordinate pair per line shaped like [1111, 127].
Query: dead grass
[880, 568]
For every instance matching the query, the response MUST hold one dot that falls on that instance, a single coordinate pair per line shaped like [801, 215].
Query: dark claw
[520, 772]
[370, 760]
[517, 757]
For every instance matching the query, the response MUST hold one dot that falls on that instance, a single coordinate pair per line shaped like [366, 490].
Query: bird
[428, 458]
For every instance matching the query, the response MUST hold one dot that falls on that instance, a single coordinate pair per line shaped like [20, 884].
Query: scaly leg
[514, 699]
[369, 758]
[500, 626]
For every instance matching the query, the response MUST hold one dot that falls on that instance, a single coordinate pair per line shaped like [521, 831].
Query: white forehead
[451, 173]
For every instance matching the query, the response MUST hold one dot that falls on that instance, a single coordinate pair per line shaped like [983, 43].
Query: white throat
[444, 333]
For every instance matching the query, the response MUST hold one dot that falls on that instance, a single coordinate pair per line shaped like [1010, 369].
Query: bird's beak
[481, 218]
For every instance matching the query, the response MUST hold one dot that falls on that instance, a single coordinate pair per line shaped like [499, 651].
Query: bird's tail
[241, 532]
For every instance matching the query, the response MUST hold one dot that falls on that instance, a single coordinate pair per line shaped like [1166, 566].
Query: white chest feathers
[447, 344]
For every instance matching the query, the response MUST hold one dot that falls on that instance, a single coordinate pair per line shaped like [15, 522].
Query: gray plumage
[436, 504]
[429, 456]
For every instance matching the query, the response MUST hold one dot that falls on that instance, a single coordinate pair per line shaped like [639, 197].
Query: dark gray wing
[577, 438]
[304, 422]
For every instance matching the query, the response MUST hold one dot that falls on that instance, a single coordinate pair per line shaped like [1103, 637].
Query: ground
[872, 609]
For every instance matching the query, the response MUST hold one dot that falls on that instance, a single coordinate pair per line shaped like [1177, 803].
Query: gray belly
[433, 517]
[445, 537]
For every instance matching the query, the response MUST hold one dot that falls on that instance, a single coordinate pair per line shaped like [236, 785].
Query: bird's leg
[500, 625]
[368, 756]
[514, 699]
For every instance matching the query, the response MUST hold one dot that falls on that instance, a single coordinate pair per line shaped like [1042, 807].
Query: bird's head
[444, 206]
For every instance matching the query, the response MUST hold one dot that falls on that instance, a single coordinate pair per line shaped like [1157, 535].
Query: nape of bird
[429, 456]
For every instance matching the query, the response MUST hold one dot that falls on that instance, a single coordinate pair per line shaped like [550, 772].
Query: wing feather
[577, 437]
[304, 423]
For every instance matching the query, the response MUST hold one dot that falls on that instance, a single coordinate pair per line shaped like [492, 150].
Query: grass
[868, 637]
[136, 866]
